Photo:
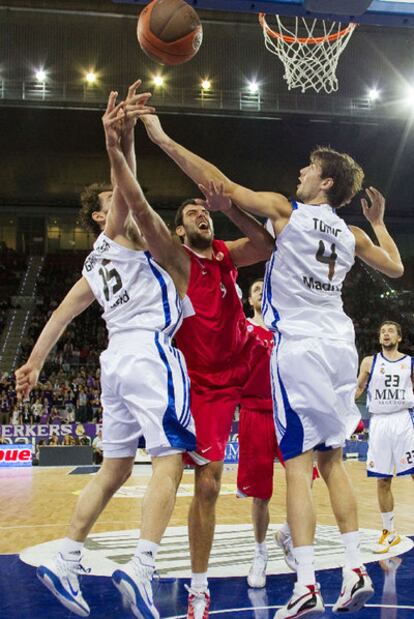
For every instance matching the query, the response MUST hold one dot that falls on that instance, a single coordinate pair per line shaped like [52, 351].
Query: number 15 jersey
[305, 275]
[134, 291]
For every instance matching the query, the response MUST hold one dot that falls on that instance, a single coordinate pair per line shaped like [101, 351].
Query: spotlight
[373, 94]
[253, 87]
[91, 77]
[410, 96]
[41, 75]
[206, 84]
[158, 80]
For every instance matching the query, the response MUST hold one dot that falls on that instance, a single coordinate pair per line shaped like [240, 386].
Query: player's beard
[390, 347]
[198, 241]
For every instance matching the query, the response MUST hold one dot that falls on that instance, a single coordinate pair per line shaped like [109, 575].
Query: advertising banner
[15, 455]
[36, 433]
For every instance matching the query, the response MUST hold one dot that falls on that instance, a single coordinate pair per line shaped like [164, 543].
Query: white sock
[352, 552]
[261, 549]
[70, 549]
[285, 529]
[199, 581]
[388, 520]
[146, 552]
[305, 567]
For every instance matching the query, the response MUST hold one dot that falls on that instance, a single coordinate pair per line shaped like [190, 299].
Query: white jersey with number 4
[390, 388]
[135, 292]
[305, 275]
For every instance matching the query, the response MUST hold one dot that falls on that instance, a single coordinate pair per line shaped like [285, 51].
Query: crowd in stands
[69, 388]
[60, 397]
[85, 337]
[369, 299]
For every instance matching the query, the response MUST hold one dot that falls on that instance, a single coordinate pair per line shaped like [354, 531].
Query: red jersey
[257, 394]
[215, 336]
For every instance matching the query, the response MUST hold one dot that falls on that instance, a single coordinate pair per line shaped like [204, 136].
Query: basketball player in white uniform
[145, 388]
[388, 378]
[314, 364]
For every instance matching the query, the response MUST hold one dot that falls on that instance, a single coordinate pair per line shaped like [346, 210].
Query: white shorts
[145, 391]
[391, 444]
[313, 389]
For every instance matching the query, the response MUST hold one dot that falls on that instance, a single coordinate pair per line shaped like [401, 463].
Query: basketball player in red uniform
[257, 437]
[258, 446]
[217, 347]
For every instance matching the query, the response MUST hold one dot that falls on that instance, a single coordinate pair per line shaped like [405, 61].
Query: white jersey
[305, 274]
[134, 291]
[389, 387]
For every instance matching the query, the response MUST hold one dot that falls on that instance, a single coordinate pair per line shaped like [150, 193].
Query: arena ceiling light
[91, 77]
[40, 75]
[206, 84]
[410, 96]
[374, 94]
[158, 80]
[253, 87]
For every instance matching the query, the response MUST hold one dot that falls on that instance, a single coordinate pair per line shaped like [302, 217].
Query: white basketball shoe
[284, 541]
[134, 582]
[356, 590]
[60, 576]
[257, 573]
[306, 601]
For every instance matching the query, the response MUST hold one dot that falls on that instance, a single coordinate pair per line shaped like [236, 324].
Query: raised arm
[76, 301]
[133, 99]
[257, 245]
[364, 372]
[266, 204]
[164, 249]
[119, 122]
[384, 257]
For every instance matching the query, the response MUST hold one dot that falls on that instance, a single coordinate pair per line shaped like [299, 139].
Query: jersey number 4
[330, 259]
[109, 275]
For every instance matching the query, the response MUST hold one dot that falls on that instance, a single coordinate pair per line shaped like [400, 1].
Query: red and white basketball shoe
[356, 590]
[198, 603]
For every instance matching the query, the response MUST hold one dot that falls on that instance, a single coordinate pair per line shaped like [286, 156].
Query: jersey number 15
[109, 275]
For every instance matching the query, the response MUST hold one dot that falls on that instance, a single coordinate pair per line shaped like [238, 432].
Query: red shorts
[258, 449]
[214, 398]
[257, 452]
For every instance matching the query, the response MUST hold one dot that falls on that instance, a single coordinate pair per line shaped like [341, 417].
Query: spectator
[97, 448]
[68, 440]
[81, 405]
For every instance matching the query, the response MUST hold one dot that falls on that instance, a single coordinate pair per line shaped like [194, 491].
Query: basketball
[169, 31]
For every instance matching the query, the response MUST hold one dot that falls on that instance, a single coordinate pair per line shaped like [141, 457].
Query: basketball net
[310, 61]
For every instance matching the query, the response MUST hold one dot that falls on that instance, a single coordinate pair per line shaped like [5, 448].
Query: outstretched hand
[135, 106]
[112, 120]
[215, 198]
[26, 379]
[374, 211]
[124, 114]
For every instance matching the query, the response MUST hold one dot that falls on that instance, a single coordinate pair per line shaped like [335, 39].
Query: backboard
[377, 12]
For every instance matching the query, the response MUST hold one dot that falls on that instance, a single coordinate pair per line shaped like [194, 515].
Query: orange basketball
[169, 31]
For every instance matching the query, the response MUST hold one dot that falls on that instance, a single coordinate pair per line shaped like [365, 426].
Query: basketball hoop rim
[303, 40]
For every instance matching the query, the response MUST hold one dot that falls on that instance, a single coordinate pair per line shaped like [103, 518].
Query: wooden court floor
[35, 504]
